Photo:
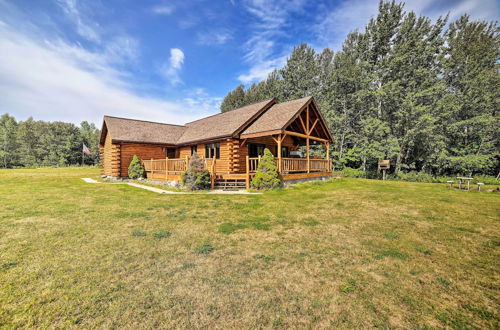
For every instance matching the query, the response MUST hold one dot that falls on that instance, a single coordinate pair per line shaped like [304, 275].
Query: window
[170, 152]
[285, 152]
[212, 150]
[256, 150]
[194, 149]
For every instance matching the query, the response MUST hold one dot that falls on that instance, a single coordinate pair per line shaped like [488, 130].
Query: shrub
[414, 176]
[196, 177]
[267, 172]
[135, 168]
[352, 172]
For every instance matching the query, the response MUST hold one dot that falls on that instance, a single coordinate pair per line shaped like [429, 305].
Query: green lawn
[351, 253]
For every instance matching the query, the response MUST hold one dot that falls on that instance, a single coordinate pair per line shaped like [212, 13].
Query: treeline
[421, 94]
[40, 143]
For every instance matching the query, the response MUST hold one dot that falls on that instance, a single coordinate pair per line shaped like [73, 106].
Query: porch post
[279, 153]
[212, 179]
[248, 173]
[166, 169]
[307, 141]
[328, 156]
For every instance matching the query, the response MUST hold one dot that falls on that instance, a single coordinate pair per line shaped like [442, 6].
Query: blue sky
[169, 61]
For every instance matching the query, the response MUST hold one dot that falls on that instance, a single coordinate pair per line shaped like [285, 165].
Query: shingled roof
[277, 116]
[223, 124]
[140, 131]
[265, 116]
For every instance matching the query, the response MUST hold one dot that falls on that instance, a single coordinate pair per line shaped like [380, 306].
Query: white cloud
[85, 26]
[198, 98]
[272, 18]
[163, 10]
[260, 70]
[174, 65]
[350, 15]
[214, 37]
[176, 58]
[59, 81]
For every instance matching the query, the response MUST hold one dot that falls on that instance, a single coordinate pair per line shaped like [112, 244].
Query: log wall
[143, 151]
[110, 157]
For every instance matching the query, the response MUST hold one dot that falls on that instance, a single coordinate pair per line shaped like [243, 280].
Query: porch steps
[229, 184]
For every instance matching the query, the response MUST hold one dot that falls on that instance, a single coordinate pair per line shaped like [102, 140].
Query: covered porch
[289, 132]
[291, 138]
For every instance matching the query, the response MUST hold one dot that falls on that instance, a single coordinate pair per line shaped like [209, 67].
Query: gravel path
[162, 191]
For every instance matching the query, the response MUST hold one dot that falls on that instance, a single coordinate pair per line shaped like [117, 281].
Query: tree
[266, 176]
[8, 141]
[90, 137]
[300, 74]
[234, 99]
[196, 177]
[471, 70]
[406, 89]
[136, 169]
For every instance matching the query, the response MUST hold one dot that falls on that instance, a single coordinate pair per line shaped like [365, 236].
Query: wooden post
[279, 154]
[213, 173]
[248, 173]
[307, 141]
[166, 168]
[328, 156]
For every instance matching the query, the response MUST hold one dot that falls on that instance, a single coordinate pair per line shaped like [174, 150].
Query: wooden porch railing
[291, 165]
[174, 166]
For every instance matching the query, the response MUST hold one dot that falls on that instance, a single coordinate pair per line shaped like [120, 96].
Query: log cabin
[230, 144]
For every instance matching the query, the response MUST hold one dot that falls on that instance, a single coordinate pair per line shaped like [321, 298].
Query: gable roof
[224, 124]
[140, 131]
[277, 117]
[265, 116]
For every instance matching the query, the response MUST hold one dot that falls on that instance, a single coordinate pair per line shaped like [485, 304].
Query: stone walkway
[162, 191]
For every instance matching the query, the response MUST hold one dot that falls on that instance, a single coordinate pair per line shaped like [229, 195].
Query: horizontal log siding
[222, 165]
[111, 158]
[143, 151]
[270, 144]
[186, 151]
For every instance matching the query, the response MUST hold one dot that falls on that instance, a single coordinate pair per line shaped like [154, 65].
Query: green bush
[414, 176]
[135, 168]
[266, 176]
[352, 172]
[196, 177]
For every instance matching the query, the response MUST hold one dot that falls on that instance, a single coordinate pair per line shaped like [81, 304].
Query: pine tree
[266, 176]
[234, 99]
[136, 169]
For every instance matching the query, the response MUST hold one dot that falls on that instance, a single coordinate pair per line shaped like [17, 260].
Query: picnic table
[462, 179]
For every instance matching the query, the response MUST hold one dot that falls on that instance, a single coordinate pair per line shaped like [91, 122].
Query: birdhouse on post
[384, 165]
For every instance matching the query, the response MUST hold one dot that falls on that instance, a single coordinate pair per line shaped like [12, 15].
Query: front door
[255, 150]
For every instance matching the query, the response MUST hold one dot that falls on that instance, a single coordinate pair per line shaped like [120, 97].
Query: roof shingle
[276, 117]
[130, 130]
[222, 124]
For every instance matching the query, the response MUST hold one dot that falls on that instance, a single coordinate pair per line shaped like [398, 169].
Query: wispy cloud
[174, 65]
[217, 37]
[85, 26]
[271, 20]
[59, 81]
[163, 10]
[198, 98]
[349, 15]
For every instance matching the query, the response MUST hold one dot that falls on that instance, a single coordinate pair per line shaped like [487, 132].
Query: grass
[352, 253]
